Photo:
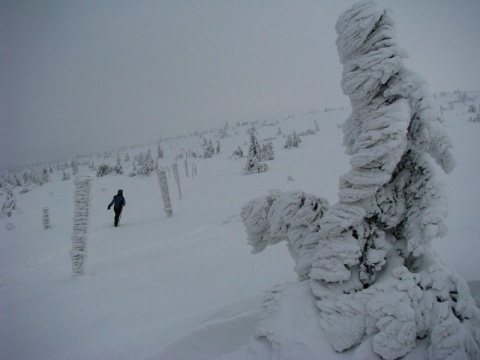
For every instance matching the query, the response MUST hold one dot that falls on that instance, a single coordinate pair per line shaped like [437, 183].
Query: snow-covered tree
[10, 203]
[159, 152]
[74, 165]
[293, 140]
[254, 162]
[146, 164]
[267, 151]
[369, 259]
[118, 168]
[208, 150]
[238, 152]
[65, 175]
[104, 170]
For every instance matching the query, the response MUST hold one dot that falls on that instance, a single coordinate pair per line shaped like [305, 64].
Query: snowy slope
[187, 286]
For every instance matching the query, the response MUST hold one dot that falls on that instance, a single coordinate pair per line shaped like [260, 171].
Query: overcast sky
[77, 77]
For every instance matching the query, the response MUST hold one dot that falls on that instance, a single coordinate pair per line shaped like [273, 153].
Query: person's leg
[117, 215]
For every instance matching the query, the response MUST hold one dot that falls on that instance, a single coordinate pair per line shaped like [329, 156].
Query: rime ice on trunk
[162, 180]
[82, 202]
[46, 219]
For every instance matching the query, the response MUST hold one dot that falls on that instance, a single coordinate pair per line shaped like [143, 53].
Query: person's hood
[120, 192]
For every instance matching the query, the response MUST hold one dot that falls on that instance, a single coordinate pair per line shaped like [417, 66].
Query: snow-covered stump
[46, 219]
[177, 179]
[82, 201]
[162, 180]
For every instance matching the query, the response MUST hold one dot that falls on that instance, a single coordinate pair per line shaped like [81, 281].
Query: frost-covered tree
[118, 168]
[369, 259]
[74, 165]
[293, 140]
[146, 164]
[65, 175]
[159, 152]
[267, 151]
[238, 153]
[10, 203]
[254, 161]
[104, 170]
[208, 149]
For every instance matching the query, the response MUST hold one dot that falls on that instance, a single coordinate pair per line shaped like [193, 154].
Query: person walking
[118, 203]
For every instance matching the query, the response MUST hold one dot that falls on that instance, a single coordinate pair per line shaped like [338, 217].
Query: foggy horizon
[80, 78]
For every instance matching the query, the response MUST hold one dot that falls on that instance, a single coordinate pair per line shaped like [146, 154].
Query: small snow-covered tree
[254, 161]
[104, 170]
[65, 175]
[208, 150]
[159, 152]
[369, 259]
[10, 203]
[118, 168]
[267, 151]
[293, 140]
[238, 152]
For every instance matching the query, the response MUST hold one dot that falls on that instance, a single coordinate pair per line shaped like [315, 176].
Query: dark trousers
[118, 213]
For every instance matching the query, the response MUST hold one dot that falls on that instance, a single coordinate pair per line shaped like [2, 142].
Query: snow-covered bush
[369, 259]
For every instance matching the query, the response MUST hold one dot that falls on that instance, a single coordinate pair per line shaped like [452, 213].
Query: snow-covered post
[82, 200]
[162, 180]
[186, 168]
[46, 219]
[177, 178]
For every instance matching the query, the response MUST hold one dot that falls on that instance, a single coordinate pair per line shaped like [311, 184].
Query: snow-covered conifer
[254, 161]
[238, 152]
[267, 151]
[65, 175]
[118, 168]
[159, 152]
[208, 150]
[10, 203]
[218, 147]
[293, 140]
[372, 270]
[82, 201]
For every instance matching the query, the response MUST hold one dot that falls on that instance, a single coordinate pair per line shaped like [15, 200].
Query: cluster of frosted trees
[368, 258]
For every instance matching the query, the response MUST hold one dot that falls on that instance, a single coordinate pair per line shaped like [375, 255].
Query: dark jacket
[118, 201]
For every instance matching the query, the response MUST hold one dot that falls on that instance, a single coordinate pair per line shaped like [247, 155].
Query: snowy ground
[187, 286]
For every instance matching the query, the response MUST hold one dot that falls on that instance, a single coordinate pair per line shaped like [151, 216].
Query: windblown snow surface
[187, 287]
